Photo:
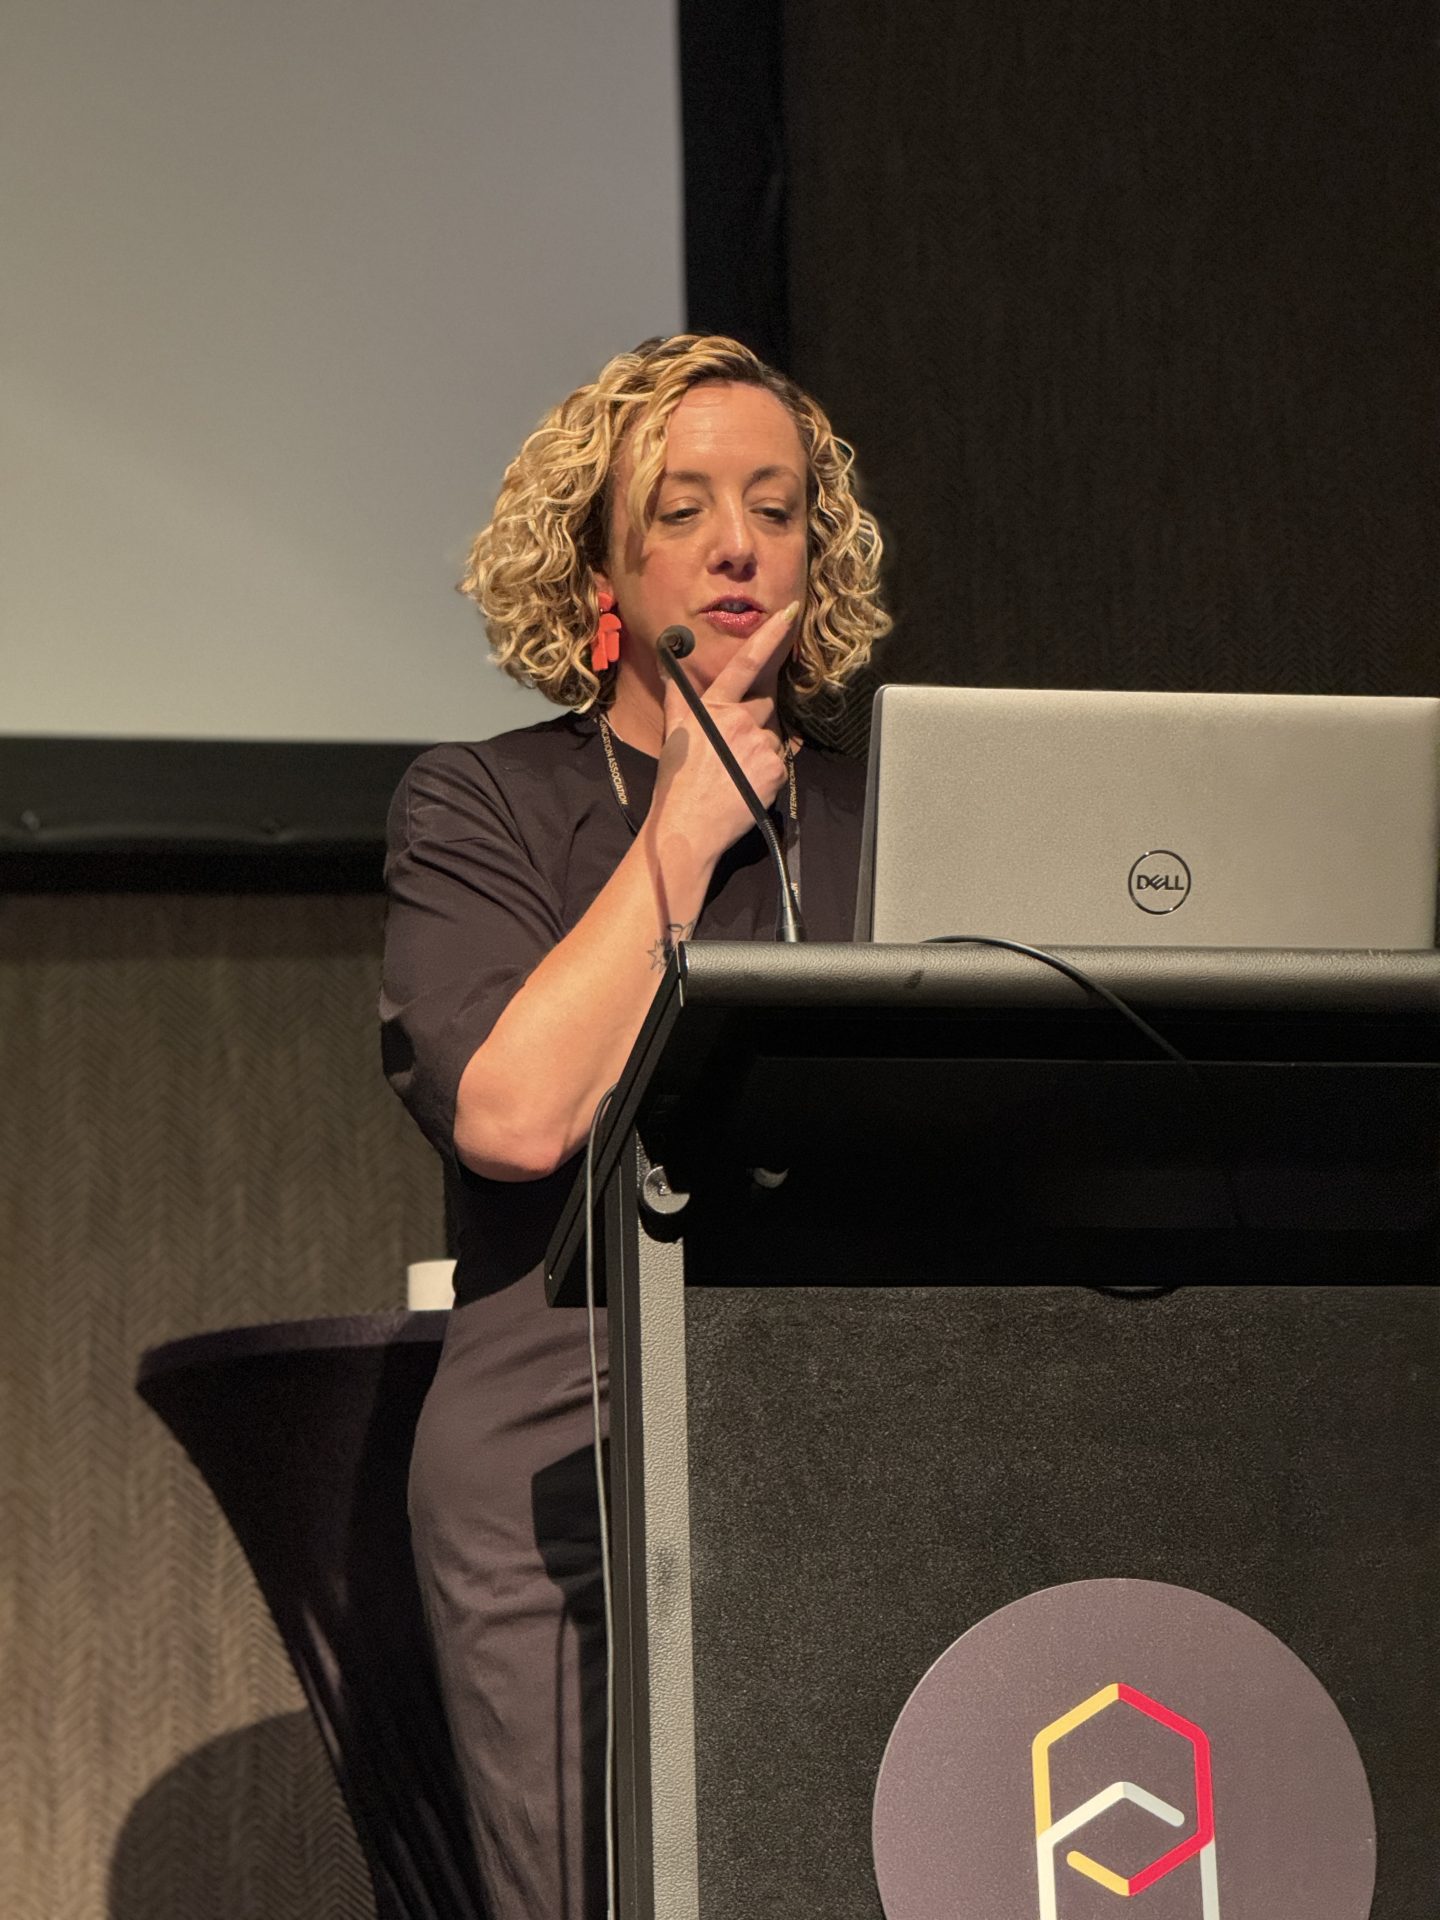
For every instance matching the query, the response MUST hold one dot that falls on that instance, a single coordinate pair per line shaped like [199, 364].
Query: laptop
[1151, 819]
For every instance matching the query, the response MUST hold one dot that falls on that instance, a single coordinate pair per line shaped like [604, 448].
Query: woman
[538, 884]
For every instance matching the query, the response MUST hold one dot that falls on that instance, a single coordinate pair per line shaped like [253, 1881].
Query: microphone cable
[1112, 1000]
[606, 1586]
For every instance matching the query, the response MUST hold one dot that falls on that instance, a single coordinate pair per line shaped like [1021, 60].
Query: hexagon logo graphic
[1121, 1740]
[1051, 1833]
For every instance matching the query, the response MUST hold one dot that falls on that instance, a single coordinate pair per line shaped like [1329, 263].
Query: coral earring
[605, 647]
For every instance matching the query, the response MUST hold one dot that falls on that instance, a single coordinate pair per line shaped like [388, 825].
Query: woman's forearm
[528, 1094]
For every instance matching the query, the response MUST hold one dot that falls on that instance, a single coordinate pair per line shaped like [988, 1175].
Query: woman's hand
[696, 805]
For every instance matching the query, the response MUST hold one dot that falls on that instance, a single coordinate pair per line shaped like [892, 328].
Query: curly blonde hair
[531, 568]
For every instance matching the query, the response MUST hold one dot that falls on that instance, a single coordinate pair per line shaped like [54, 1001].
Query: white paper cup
[429, 1284]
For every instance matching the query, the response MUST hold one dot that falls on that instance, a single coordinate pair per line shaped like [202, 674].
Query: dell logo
[1159, 881]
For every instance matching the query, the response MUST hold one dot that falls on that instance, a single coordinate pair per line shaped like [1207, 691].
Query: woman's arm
[528, 1093]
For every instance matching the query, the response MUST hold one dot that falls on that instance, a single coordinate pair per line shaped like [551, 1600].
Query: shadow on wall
[248, 1827]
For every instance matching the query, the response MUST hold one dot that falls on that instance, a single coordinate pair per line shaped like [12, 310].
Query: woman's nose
[733, 548]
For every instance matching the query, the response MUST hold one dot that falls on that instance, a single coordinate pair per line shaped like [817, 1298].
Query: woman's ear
[602, 583]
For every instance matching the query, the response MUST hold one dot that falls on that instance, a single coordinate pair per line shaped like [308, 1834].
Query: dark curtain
[1130, 309]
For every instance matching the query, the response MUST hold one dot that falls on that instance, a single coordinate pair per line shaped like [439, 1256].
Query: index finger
[747, 663]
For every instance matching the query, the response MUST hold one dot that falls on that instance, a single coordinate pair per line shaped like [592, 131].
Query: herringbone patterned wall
[1129, 307]
[194, 1133]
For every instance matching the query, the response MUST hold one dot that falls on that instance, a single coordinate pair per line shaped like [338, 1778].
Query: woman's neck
[637, 715]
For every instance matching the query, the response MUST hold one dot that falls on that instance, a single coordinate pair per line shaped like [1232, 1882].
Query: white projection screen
[286, 283]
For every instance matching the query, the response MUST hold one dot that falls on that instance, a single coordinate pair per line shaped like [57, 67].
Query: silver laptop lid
[1151, 819]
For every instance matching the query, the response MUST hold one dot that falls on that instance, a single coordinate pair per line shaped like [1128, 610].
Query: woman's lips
[739, 625]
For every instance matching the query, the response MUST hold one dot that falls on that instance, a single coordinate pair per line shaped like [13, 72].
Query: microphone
[670, 649]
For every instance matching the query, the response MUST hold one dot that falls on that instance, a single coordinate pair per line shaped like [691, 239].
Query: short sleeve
[469, 916]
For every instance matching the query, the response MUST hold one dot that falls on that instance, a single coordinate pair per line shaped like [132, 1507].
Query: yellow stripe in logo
[1040, 1747]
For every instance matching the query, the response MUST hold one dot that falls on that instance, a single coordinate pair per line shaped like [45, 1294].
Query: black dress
[495, 852]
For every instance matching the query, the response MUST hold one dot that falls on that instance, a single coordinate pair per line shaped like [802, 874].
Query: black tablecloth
[303, 1432]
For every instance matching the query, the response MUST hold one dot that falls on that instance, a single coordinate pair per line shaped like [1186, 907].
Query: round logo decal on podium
[1122, 1740]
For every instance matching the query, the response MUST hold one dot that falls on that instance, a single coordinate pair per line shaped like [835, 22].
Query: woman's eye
[779, 516]
[677, 516]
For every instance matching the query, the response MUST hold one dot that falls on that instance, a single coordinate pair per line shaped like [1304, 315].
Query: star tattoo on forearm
[663, 950]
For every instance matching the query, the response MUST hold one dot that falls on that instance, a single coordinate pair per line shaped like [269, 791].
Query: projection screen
[286, 285]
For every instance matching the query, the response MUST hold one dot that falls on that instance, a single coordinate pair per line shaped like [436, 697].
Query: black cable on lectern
[1113, 1000]
[603, 1498]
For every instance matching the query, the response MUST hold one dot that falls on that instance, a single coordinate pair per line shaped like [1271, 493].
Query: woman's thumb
[676, 712]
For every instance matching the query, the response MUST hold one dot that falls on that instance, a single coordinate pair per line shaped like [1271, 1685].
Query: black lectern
[913, 1261]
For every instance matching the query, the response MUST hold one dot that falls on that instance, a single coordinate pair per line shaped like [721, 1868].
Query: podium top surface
[876, 1010]
[979, 975]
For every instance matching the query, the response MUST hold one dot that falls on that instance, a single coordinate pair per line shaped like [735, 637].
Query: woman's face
[728, 545]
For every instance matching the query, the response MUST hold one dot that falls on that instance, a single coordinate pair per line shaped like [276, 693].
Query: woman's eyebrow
[692, 477]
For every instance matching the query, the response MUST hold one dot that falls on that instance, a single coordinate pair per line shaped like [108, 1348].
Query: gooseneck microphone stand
[670, 649]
